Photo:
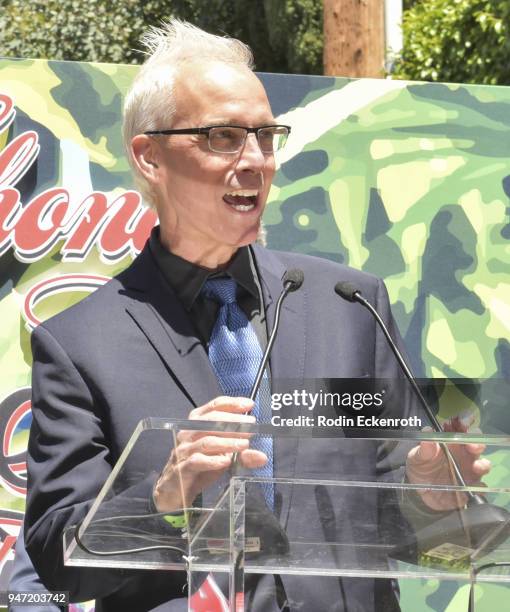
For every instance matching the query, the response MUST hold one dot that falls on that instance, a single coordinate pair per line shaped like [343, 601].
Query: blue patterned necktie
[235, 355]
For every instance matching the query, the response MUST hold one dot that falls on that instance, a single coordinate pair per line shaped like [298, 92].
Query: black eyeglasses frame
[206, 130]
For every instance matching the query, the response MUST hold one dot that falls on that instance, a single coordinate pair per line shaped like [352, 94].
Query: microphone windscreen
[346, 290]
[295, 277]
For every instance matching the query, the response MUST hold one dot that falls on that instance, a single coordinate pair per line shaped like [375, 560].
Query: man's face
[211, 203]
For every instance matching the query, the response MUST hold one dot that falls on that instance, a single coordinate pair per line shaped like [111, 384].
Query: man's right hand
[200, 458]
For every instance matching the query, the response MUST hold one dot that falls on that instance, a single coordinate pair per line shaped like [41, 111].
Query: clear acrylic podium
[342, 507]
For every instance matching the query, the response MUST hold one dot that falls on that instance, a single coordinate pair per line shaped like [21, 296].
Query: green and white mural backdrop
[408, 181]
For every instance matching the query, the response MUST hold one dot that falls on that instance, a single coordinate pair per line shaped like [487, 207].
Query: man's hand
[427, 463]
[200, 458]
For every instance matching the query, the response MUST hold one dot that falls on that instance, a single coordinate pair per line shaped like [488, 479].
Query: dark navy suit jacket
[129, 351]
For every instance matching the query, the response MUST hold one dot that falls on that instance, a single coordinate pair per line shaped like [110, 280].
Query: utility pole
[354, 38]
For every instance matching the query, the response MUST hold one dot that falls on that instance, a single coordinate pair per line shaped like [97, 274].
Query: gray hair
[150, 101]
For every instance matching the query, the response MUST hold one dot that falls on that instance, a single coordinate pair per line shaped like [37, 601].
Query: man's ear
[144, 150]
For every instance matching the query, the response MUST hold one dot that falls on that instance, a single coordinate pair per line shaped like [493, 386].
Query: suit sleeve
[24, 578]
[68, 462]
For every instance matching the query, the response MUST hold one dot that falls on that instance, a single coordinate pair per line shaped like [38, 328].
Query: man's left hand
[427, 463]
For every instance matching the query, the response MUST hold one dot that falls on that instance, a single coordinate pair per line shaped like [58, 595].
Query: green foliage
[87, 30]
[466, 41]
[295, 30]
[285, 35]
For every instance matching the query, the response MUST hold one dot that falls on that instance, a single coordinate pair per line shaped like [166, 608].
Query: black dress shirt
[187, 279]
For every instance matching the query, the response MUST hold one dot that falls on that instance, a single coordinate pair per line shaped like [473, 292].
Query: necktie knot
[222, 290]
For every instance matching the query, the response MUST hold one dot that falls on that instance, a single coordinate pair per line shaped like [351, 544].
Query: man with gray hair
[201, 139]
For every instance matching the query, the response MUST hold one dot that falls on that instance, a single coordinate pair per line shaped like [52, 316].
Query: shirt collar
[187, 279]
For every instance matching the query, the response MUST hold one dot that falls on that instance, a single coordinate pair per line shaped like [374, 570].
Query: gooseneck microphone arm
[349, 292]
[480, 525]
[292, 281]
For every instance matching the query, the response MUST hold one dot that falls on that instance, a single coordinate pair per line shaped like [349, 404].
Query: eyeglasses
[231, 138]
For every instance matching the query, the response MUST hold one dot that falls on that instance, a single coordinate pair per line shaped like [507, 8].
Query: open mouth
[242, 200]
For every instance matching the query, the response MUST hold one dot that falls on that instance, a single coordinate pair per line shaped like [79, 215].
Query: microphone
[346, 290]
[260, 522]
[292, 281]
[295, 277]
[480, 523]
[351, 293]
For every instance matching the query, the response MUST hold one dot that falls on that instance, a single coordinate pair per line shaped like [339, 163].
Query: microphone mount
[349, 292]
[480, 524]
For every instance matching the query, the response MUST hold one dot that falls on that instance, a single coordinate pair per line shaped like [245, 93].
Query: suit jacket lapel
[166, 325]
